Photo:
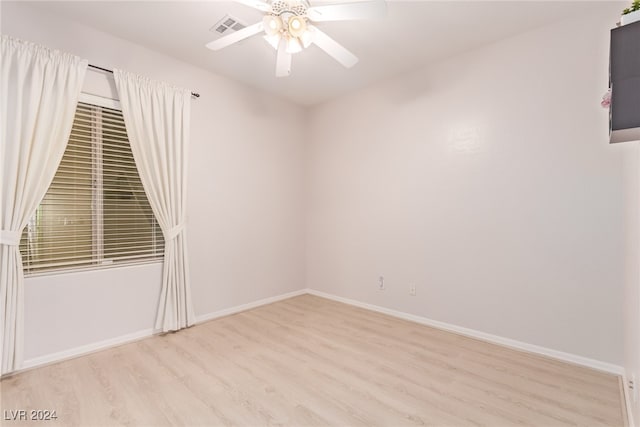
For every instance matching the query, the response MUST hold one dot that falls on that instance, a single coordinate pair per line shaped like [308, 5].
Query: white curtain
[157, 116]
[39, 91]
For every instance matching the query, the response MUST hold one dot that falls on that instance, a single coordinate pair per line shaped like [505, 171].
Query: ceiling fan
[287, 28]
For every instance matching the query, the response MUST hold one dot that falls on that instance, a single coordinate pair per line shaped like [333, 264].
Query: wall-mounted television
[624, 75]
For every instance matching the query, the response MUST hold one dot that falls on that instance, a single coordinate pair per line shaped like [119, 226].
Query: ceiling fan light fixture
[272, 24]
[306, 38]
[297, 26]
[293, 45]
[288, 27]
[273, 40]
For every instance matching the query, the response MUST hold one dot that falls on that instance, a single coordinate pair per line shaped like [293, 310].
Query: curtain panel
[157, 118]
[39, 91]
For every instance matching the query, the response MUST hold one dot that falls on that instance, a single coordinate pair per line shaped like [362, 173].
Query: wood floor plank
[481, 382]
[309, 361]
[477, 361]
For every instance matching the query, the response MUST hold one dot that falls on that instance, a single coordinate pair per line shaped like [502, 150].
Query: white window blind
[95, 212]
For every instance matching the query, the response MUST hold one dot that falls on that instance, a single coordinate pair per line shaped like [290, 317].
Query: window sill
[89, 268]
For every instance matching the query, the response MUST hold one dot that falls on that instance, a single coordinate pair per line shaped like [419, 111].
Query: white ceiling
[413, 34]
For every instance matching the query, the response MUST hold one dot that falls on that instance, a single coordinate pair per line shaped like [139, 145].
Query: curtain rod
[194, 94]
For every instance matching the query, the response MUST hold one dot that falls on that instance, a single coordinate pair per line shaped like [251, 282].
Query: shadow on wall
[259, 104]
[415, 86]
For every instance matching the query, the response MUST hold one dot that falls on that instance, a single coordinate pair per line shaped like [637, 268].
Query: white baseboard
[249, 306]
[507, 342]
[627, 399]
[84, 349]
[135, 336]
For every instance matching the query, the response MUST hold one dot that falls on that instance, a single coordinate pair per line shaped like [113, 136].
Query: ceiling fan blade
[348, 11]
[283, 60]
[236, 37]
[256, 4]
[333, 48]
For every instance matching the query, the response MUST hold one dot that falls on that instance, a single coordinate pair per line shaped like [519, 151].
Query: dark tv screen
[625, 83]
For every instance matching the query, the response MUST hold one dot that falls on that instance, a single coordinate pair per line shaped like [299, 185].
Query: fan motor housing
[297, 7]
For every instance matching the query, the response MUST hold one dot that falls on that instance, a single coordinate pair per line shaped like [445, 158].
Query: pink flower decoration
[606, 99]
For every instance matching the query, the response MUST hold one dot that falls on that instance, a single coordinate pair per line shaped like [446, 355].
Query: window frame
[114, 104]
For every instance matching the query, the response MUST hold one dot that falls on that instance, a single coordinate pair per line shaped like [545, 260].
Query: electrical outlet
[412, 289]
[633, 388]
[381, 283]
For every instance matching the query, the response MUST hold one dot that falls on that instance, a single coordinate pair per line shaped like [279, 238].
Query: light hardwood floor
[312, 361]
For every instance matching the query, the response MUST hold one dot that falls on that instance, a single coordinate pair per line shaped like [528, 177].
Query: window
[95, 212]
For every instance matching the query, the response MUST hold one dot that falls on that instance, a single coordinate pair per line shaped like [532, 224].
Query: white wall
[632, 271]
[487, 180]
[245, 220]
